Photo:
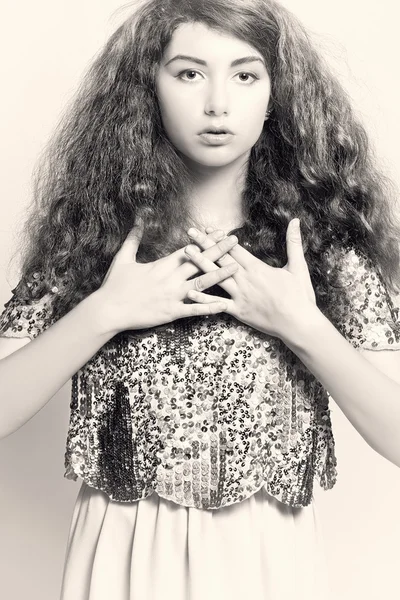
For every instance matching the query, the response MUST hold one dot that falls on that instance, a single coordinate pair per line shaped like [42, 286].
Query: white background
[46, 45]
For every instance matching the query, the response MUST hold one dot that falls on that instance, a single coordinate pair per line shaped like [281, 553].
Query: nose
[216, 99]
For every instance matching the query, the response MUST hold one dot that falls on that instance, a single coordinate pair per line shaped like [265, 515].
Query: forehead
[203, 42]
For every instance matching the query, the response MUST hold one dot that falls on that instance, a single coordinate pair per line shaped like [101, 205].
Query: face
[219, 81]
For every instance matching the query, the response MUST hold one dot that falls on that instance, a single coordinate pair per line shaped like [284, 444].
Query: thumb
[294, 248]
[127, 252]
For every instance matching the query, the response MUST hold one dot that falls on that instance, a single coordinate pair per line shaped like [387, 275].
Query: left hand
[272, 300]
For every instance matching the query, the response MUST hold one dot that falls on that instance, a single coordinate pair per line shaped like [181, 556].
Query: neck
[216, 197]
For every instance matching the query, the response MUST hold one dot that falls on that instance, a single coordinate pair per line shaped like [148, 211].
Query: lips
[216, 130]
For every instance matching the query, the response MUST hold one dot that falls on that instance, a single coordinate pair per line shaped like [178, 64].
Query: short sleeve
[21, 318]
[366, 314]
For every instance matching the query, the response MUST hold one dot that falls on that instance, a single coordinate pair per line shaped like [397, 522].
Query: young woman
[203, 329]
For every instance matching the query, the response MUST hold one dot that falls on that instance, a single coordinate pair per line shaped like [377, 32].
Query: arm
[365, 312]
[368, 397]
[31, 375]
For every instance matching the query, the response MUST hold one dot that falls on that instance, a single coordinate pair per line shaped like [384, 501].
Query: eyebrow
[199, 61]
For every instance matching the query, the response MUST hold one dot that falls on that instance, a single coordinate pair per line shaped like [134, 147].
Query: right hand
[141, 295]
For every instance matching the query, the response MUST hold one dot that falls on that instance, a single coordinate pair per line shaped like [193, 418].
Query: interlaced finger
[205, 257]
[179, 257]
[213, 276]
[204, 240]
[238, 253]
[202, 298]
[196, 310]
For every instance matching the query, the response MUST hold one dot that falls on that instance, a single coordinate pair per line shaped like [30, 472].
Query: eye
[191, 72]
[247, 75]
[187, 71]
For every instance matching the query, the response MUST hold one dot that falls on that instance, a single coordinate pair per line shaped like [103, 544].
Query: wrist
[301, 332]
[100, 315]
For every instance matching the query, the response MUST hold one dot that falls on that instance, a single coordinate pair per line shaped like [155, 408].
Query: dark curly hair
[110, 160]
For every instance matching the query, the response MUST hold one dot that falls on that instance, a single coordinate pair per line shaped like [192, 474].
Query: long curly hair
[110, 160]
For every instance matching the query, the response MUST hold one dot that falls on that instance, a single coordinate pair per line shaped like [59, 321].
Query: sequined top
[206, 411]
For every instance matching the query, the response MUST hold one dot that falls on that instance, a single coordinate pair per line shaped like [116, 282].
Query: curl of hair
[110, 160]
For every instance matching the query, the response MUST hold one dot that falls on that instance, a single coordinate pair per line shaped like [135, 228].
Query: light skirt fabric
[154, 549]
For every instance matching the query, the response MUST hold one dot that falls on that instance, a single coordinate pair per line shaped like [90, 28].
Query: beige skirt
[154, 549]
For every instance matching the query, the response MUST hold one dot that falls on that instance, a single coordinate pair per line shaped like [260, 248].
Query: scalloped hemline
[148, 491]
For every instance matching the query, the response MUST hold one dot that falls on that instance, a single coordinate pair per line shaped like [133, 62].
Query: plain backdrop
[46, 45]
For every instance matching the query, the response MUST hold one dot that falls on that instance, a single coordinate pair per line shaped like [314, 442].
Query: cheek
[253, 119]
[178, 118]
[174, 124]
[173, 107]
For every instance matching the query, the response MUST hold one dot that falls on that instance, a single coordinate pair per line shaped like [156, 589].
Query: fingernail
[193, 232]
[190, 250]
[233, 238]
[296, 223]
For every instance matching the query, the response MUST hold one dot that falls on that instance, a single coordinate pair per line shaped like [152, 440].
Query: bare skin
[195, 97]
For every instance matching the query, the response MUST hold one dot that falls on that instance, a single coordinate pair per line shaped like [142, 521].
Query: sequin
[207, 411]
[366, 314]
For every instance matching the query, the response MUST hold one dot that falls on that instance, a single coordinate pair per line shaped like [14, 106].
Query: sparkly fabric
[206, 411]
[366, 314]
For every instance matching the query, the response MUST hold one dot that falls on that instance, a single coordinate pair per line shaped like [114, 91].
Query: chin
[217, 157]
